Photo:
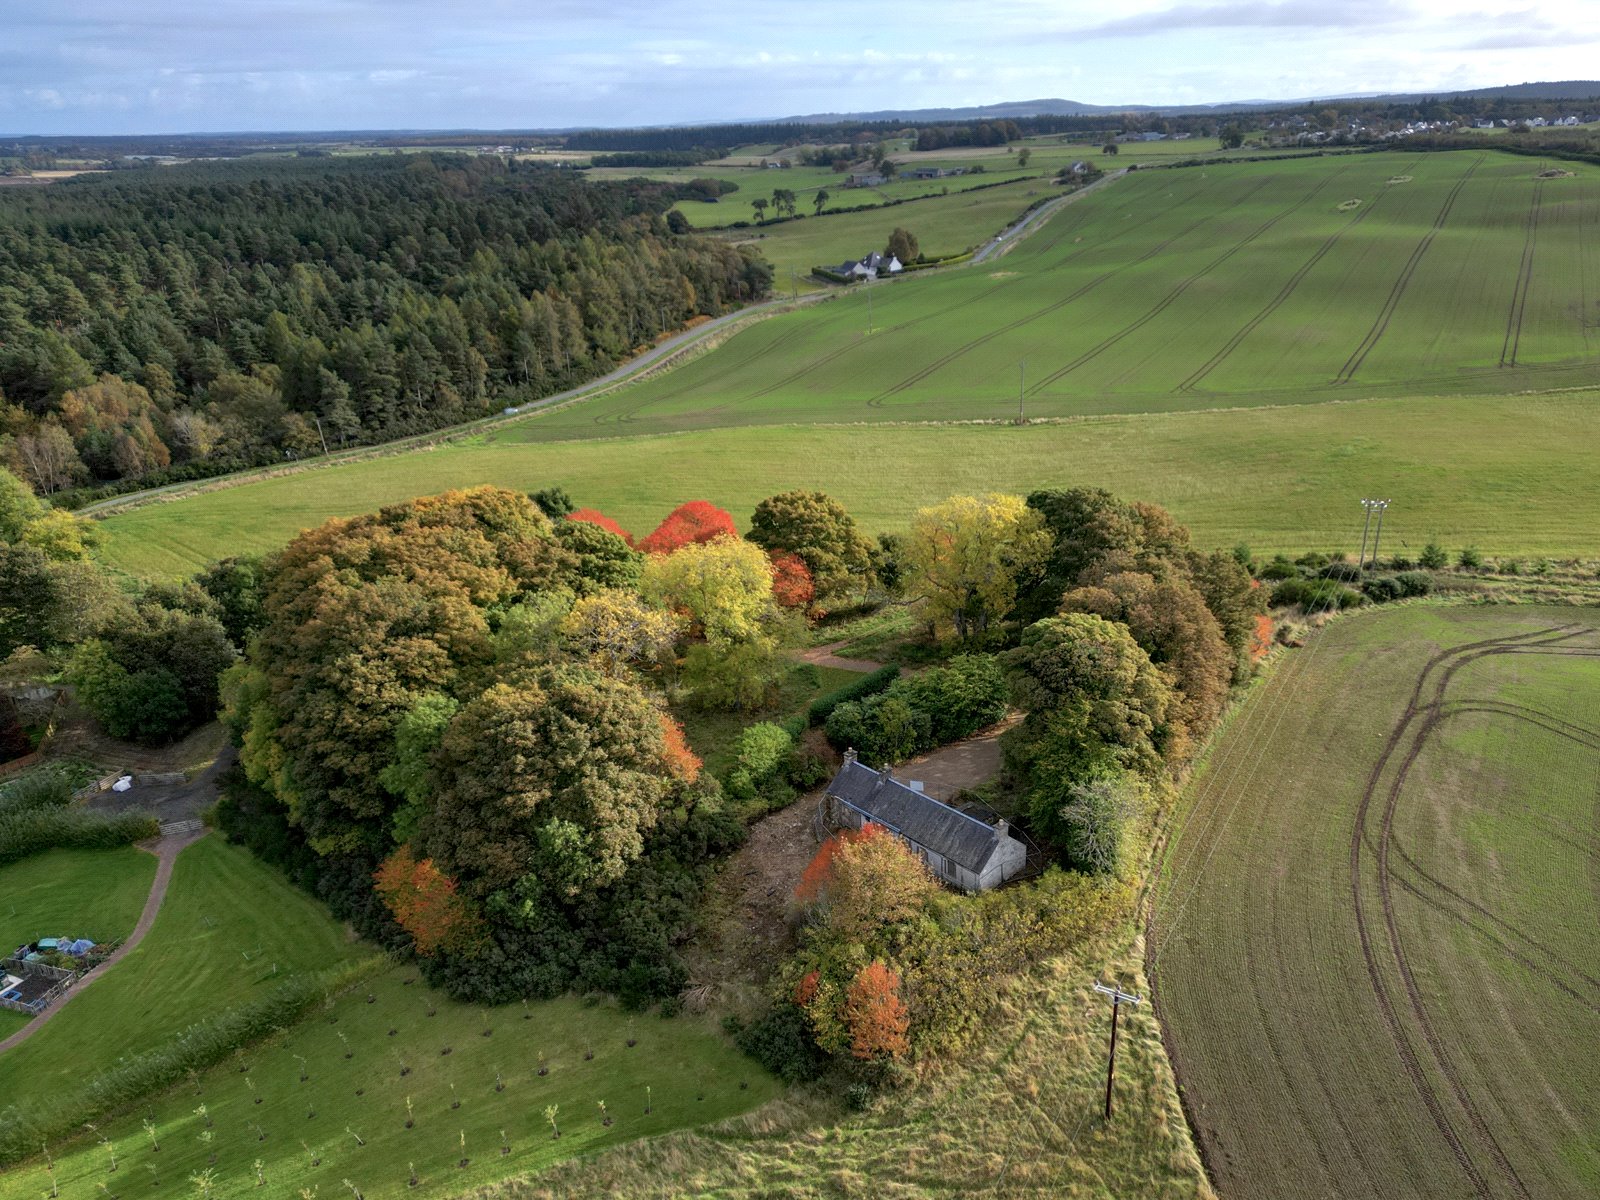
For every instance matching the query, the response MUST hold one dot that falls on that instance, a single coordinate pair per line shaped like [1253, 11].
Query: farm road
[166, 849]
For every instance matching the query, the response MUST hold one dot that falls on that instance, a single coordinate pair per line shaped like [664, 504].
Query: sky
[170, 66]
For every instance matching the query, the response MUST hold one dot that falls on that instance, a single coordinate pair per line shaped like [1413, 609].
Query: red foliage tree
[424, 902]
[875, 1015]
[696, 521]
[806, 990]
[682, 762]
[1261, 639]
[791, 580]
[595, 517]
[815, 878]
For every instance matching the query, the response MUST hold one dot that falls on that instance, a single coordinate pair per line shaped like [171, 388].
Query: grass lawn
[1498, 473]
[230, 930]
[1374, 936]
[356, 1090]
[714, 735]
[76, 893]
[1020, 1115]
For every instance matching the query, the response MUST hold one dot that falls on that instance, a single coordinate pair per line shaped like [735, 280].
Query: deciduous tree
[875, 1014]
[695, 522]
[964, 559]
[816, 527]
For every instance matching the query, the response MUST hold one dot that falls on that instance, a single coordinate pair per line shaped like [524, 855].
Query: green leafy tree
[820, 200]
[602, 560]
[19, 508]
[965, 557]
[903, 245]
[238, 585]
[547, 783]
[820, 531]
[46, 603]
[409, 775]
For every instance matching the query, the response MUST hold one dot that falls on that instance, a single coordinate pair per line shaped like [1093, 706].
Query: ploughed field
[1374, 942]
[1254, 283]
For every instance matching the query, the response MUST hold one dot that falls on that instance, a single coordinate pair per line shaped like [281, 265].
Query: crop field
[327, 1100]
[1374, 939]
[1498, 473]
[1245, 284]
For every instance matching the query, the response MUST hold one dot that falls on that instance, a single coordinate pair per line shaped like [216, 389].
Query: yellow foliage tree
[966, 556]
[616, 629]
[723, 586]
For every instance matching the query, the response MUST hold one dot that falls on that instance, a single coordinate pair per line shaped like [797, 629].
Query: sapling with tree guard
[150, 1131]
[464, 1160]
[550, 1115]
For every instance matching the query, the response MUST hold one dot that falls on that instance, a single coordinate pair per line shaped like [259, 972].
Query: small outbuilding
[960, 849]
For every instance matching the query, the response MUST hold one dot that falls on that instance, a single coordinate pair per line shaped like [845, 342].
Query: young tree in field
[820, 199]
[760, 205]
[965, 557]
[820, 531]
[903, 245]
[875, 1015]
[616, 630]
[547, 782]
[1023, 156]
[694, 522]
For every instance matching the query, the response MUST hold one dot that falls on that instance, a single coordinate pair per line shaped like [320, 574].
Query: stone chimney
[1002, 827]
[850, 755]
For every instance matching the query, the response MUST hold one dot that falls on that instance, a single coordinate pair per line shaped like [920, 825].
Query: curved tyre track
[166, 849]
[1519, 292]
[1419, 720]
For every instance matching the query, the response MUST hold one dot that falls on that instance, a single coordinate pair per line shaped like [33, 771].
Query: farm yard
[1373, 943]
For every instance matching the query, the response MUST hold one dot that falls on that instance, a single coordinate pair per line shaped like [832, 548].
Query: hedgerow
[875, 681]
[33, 831]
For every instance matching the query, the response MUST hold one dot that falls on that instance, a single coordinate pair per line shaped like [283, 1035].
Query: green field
[694, 1076]
[230, 930]
[77, 893]
[1374, 939]
[1498, 473]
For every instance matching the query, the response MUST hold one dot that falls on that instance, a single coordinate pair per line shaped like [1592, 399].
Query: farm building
[961, 850]
[871, 266]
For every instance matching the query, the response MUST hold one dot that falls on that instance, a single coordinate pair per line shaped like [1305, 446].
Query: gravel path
[827, 656]
[166, 849]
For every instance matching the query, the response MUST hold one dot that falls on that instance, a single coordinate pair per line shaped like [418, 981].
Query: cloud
[1289, 14]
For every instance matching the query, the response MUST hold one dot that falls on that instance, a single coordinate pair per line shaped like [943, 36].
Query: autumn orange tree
[592, 516]
[875, 1015]
[791, 580]
[425, 903]
[696, 521]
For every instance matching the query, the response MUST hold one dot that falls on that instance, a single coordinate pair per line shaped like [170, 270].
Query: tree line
[170, 323]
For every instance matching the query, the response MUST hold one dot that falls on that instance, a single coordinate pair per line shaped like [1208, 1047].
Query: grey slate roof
[915, 816]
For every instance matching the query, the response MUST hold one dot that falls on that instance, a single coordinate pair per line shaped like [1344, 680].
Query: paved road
[166, 849]
[1031, 221]
[172, 802]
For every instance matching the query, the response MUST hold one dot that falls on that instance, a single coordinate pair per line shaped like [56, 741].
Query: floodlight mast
[1118, 999]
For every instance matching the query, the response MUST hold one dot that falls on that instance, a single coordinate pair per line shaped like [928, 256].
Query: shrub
[37, 789]
[856, 689]
[1469, 559]
[1382, 589]
[1401, 563]
[1434, 557]
[780, 1040]
[1315, 594]
[920, 712]
[1342, 571]
[1279, 568]
[32, 831]
[762, 749]
[1414, 583]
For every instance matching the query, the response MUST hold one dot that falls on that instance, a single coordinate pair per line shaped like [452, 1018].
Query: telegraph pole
[1365, 525]
[869, 307]
[320, 434]
[1118, 999]
[1022, 391]
[1383, 507]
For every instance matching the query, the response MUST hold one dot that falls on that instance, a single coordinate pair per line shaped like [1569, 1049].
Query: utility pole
[794, 285]
[1022, 391]
[1383, 507]
[320, 434]
[1365, 525]
[1118, 999]
[869, 308]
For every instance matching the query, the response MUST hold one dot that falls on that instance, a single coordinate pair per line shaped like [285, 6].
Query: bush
[869, 684]
[1279, 568]
[1414, 583]
[26, 832]
[1434, 557]
[922, 711]
[780, 1040]
[35, 790]
[1469, 559]
[762, 749]
[1315, 594]
[1382, 589]
[1342, 571]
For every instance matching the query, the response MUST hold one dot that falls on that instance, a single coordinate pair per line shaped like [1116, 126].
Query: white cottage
[961, 850]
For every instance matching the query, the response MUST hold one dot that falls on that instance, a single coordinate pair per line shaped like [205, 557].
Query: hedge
[876, 681]
[33, 831]
[200, 1046]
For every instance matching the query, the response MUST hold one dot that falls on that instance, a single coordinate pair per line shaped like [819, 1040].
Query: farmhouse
[865, 179]
[871, 266]
[961, 850]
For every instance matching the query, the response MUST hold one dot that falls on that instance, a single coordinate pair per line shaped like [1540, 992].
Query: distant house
[871, 266]
[1078, 168]
[961, 850]
[865, 179]
[1152, 137]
